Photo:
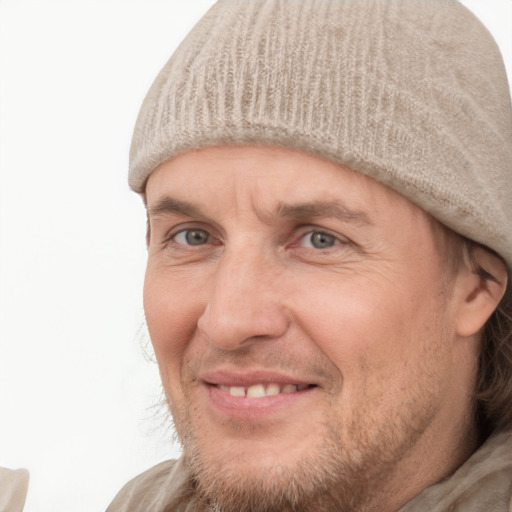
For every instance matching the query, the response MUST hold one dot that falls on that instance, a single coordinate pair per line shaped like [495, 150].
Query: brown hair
[493, 391]
[493, 384]
[494, 381]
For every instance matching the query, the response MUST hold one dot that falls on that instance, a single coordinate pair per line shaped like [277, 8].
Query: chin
[250, 475]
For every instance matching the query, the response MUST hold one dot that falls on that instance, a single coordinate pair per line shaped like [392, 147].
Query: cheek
[388, 348]
[368, 328]
[172, 310]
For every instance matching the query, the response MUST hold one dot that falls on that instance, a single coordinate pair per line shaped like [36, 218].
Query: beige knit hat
[410, 92]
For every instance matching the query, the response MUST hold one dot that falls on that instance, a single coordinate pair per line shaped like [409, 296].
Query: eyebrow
[170, 205]
[318, 209]
[299, 211]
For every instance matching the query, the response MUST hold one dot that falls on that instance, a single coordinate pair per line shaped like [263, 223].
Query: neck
[423, 467]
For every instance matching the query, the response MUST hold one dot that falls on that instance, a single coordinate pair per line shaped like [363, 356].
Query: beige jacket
[13, 489]
[482, 484]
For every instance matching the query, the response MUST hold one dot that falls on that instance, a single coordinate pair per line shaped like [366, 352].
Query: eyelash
[321, 234]
[170, 238]
[184, 232]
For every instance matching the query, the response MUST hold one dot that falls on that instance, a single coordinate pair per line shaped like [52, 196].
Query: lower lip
[247, 408]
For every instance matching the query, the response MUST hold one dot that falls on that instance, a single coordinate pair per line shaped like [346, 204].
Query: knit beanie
[412, 93]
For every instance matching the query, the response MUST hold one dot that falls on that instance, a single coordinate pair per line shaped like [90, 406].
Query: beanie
[412, 93]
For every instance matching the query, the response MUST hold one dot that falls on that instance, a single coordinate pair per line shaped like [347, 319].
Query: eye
[319, 240]
[192, 237]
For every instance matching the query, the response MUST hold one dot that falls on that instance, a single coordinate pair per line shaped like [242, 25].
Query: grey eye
[192, 237]
[319, 240]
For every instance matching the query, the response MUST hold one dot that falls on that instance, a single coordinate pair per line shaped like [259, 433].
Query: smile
[254, 394]
[263, 390]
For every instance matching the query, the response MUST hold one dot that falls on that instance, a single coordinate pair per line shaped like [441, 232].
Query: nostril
[229, 328]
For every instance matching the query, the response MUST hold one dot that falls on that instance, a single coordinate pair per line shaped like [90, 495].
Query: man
[328, 194]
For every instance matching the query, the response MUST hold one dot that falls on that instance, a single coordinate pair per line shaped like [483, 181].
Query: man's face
[302, 316]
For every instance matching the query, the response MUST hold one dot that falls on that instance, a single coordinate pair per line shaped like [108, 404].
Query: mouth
[262, 390]
[255, 399]
[254, 394]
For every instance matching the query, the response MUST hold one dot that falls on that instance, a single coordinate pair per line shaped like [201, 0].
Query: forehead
[264, 175]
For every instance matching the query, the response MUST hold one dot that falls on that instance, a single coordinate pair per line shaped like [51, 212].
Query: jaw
[306, 441]
[281, 467]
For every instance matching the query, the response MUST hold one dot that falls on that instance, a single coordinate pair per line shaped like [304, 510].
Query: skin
[362, 302]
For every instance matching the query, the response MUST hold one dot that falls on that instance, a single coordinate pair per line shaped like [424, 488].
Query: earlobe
[482, 283]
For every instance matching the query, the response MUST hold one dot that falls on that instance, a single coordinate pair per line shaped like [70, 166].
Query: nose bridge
[244, 301]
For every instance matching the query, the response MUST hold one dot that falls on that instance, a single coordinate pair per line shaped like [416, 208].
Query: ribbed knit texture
[410, 92]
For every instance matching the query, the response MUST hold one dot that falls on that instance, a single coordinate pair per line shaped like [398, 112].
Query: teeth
[256, 391]
[260, 390]
[237, 391]
[273, 389]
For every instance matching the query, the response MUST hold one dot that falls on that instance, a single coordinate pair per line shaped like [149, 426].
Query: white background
[77, 393]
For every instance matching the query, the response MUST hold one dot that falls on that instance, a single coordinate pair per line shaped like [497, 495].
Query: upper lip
[250, 377]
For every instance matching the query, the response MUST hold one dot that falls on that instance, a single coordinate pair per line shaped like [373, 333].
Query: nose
[245, 302]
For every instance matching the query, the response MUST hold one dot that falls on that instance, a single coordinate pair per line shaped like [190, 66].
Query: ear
[481, 284]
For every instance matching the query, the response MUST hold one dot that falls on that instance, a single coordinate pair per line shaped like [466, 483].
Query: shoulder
[483, 482]
[159, 489]
[13, 486]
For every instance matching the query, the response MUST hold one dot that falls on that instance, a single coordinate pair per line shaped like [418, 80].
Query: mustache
[261, 355]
